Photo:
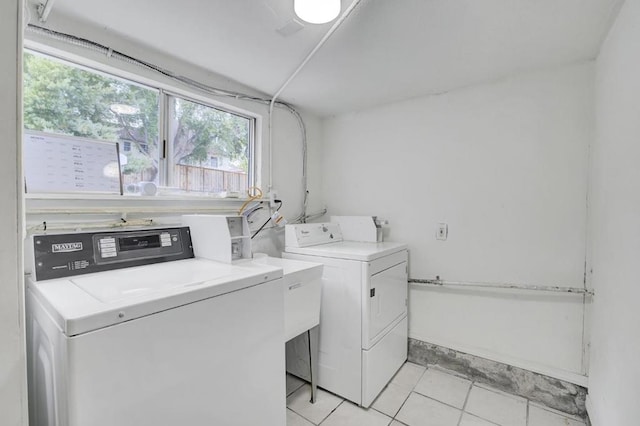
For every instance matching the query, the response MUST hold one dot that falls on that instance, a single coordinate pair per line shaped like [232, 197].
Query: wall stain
[553, 393]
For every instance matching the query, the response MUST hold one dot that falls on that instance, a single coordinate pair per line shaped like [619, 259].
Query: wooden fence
[194, 178]
[198, 179]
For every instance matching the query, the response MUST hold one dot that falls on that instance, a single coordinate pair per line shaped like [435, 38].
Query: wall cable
[273, 218]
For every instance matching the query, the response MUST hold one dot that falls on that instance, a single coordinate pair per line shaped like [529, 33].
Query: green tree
[62, 99]
[198, 130]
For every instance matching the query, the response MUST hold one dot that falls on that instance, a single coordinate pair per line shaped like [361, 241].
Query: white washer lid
[350, 250]
[98, 300]
[289, 266]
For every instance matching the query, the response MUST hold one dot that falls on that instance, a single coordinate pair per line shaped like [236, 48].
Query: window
[207, 150]
[199, 134]
[65, 99]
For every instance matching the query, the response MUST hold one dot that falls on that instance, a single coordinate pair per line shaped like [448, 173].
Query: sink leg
[314, 334]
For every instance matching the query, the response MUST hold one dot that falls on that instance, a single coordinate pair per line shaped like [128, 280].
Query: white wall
[614, 229]
[12, 363]
[505, 165]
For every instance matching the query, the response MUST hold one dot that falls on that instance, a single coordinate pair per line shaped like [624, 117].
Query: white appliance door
[382, 361]
[219, 361]
[386, 302]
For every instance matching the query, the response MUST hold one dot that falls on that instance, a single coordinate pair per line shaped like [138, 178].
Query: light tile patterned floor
[418, 396]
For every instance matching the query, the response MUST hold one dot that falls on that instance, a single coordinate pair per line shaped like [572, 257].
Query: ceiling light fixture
[317, 11]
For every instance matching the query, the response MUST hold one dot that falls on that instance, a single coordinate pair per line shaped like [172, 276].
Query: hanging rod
[556, 289]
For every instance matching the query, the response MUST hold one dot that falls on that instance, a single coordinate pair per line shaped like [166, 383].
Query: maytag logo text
[66, 247]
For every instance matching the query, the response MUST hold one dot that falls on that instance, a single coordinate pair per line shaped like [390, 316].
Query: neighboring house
[218, 161]
[133, 140]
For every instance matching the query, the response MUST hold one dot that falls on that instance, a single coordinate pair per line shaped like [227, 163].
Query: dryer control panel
[311, 234]
[64, 255]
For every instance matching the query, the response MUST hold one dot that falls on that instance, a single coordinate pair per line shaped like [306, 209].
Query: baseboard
[552, 392]
[567, 376]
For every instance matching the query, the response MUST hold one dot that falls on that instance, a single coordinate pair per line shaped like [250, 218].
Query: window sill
[119, 204]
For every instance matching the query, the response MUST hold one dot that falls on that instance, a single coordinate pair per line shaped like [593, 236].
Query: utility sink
[302, 293]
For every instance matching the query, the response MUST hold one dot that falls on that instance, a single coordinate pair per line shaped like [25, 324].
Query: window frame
[165, 99]
[165, 91]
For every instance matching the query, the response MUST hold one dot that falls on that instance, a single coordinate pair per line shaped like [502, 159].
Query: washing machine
[128, 328]
[363, 314]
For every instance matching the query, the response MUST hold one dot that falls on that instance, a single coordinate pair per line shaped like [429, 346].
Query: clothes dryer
[363, 315]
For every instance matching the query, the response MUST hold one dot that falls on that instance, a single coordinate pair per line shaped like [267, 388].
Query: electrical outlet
[442, 231]
[273, 196]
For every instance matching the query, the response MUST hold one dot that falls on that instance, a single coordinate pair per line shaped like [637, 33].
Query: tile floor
[419, 396]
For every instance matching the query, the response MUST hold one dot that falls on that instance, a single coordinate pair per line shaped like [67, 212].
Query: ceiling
[386, 50]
